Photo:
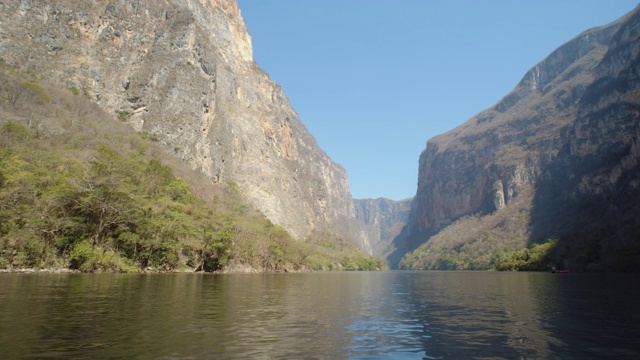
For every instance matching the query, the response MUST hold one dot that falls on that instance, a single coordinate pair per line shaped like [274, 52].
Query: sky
[373, 80]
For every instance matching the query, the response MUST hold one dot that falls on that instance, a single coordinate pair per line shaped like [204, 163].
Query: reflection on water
[392, 315]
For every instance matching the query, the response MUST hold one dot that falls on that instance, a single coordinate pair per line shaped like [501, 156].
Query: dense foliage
[79, 190]
[111, 213]
[536, 257]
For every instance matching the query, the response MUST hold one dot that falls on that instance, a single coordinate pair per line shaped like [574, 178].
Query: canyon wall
[564, 141]
[182, 71]
[382, 220]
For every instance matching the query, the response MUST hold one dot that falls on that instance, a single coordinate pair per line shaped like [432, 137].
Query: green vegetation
[327, 250]
[475, 242]
[110, 213]
[147, 136]
[534, 258]
[123, 115]
[497, 241]
[78, 189]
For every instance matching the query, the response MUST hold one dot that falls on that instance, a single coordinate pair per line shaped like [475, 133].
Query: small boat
[556, 271]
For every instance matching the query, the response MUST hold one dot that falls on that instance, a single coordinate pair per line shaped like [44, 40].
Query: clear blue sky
[373, 80]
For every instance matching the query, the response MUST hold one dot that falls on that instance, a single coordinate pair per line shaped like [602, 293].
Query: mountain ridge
[499, 159]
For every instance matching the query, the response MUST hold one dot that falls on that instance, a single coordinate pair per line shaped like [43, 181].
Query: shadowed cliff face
[382, 220]
[589, 196]
[561, 147]
[183, 71]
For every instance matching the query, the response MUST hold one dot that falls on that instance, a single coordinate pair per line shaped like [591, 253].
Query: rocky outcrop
[383, 219]
[183, 72]
[567, 134]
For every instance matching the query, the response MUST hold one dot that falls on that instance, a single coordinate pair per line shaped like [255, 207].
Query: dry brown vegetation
[475, 242]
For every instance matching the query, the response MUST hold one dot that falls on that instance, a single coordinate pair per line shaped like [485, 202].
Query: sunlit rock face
[382, 220]
[183, 72]
[568, 133]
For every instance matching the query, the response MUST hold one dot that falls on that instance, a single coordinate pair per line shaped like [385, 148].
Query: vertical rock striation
[382, 220]
[567, 134]
[183, 72]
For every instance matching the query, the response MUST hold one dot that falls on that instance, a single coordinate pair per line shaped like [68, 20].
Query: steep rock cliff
[383, 219]
[566, 137]
[183, 71]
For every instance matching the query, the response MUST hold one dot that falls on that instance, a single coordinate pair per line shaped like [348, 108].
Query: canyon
[556, 158]
[182, 71]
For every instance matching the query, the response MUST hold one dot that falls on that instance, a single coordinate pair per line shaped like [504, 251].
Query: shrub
[123, 115]
[84, 257]
[534, 258]
[12, 132]
[36, 93]
[88, 258]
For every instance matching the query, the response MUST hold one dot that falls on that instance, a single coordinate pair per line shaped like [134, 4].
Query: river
[335, 315]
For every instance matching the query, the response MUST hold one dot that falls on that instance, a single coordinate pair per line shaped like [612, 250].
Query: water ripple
[394, 315]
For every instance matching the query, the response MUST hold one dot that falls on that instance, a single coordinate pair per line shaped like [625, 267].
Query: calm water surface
[389, 315]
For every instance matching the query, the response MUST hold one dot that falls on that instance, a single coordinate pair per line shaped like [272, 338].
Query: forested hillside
[79, 189]
[183, 72]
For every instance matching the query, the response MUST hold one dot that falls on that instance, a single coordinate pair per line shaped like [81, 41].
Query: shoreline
[230, 270]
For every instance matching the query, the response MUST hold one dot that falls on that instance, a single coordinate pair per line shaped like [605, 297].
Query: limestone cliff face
[383, 219]
[567, 133]
[183, 71]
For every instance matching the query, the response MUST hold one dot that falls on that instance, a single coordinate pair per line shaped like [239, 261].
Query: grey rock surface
[183, 72]
[383, 219]
[567, 134]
